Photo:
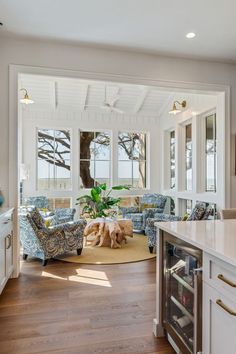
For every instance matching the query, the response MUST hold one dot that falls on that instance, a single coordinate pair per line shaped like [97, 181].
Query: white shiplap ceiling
[157, 26]
[82, 95]
[52, 93]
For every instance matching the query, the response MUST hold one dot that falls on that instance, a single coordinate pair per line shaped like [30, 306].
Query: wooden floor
[68, 308]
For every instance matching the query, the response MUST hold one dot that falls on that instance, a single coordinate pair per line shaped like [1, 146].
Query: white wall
[57, 55]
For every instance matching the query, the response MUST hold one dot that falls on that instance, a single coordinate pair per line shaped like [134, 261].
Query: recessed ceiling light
[190, 35]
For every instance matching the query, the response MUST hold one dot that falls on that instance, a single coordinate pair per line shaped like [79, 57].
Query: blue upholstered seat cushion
[161, 201]
[134, 216]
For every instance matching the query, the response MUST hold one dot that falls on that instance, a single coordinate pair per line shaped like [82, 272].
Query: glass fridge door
[180, 292]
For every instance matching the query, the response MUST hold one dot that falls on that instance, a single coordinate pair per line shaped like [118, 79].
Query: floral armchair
[45, 243]
[55, 217]
[150, 205]
[201, 211]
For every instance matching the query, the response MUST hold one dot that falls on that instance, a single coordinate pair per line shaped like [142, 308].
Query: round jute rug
[136, 249]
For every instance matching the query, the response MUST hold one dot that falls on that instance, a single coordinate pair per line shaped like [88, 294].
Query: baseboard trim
[157, 329]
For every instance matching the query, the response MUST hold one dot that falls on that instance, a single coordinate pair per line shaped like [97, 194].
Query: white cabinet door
[219, 322]
[2, 262]
[9, 254]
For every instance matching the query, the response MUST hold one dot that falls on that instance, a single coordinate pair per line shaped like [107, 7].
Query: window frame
[174, 154]
[108, 131]
[187, 123]
[146, 161]
[209, 114]
[51, 190]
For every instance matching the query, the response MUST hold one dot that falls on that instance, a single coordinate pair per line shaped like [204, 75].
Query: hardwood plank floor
[68, 308]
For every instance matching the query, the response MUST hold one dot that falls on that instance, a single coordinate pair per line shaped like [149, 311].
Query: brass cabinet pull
[226, 308]
[9, 242]
[230, 283]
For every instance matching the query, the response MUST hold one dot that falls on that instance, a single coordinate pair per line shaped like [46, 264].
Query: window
[55, 203]
[132, 159]
[210, 153]
[94, 158]
[172, 159]
[54, 165]
[186, 206]
[188, 157]
[189, 206]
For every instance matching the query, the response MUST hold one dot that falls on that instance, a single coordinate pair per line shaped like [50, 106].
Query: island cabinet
[219, 306]
[196, 286]
[6, 246]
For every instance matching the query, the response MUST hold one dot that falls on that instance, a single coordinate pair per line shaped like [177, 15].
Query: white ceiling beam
[167, 105]
[140, 100]
[84, 97]
[54, 97]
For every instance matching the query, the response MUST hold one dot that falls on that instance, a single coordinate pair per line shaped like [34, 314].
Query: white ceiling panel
[87, 95]
[157, 26]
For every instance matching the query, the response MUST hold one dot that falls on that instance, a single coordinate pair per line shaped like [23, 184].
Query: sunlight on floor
[86, 276]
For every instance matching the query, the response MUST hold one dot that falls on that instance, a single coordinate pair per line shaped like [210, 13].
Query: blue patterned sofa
[141, 213]
[57, 216]
[45, 243]
[200, 212]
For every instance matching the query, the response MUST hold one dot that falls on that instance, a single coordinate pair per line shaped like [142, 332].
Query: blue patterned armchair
[157, 203]
[57, 216]
[45, 243]
[201, 211]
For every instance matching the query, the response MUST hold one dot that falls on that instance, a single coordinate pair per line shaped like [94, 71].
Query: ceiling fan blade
[105, 105]
[114, 100]
[117, 110]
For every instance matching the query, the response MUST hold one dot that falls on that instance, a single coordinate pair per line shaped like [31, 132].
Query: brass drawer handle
[8, 238]
[230, 283]
[226, 308]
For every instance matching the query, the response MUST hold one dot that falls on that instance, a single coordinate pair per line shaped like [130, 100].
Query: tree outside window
[132, 159]
[94, 158]
[54, 159]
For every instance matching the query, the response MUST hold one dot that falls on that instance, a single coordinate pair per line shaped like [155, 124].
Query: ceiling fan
[109, 104]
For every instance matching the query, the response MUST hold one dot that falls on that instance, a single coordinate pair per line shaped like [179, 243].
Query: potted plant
[99, 203]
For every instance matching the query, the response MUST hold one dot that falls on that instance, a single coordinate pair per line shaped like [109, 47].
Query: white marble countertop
[216, 237]
[4, 211]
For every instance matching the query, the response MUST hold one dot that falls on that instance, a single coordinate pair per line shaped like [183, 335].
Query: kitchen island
[190, 301]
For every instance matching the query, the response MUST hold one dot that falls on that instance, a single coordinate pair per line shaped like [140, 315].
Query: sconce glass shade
[26, 99]
[175, 110]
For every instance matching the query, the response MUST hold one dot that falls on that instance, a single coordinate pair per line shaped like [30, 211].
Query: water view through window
[132, 159]
[94, 158]
[188, 157]
[172, 159]
[54, 159]
[210, 153]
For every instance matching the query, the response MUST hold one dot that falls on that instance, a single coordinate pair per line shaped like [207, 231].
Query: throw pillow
[185, 217]
[197, 212]
[147, 206]
[37, 218]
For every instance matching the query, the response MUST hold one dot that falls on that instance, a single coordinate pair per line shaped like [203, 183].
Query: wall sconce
[26, 99]
[175, 110]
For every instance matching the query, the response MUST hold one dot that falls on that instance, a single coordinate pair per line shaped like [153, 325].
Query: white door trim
[15, 70]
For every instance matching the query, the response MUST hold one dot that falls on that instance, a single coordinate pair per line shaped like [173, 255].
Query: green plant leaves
[99, 202]
[95, 193]
[103, 186]
[119, 188]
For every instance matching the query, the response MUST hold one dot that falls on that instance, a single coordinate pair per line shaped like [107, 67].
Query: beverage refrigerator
[182, 295]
